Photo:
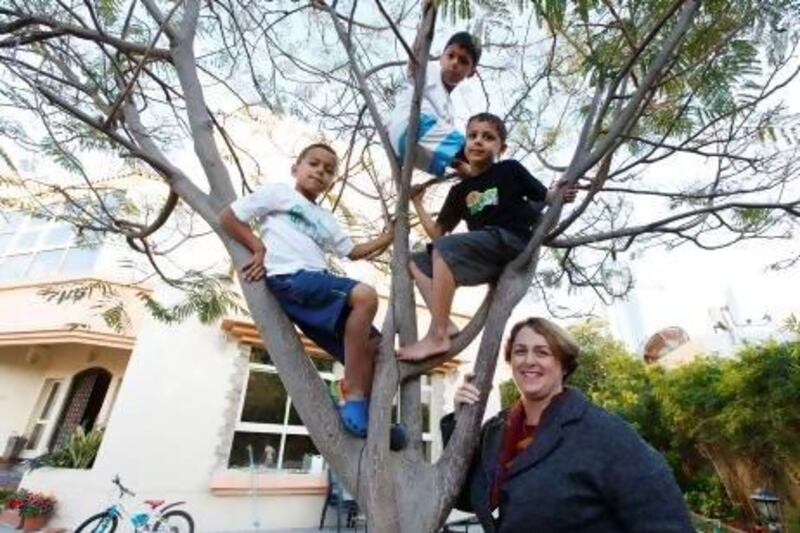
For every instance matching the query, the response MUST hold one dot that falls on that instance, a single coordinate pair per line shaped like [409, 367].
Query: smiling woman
[556, 462]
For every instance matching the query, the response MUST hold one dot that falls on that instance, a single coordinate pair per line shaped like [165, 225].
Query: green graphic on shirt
[300, 218]
[478, 201]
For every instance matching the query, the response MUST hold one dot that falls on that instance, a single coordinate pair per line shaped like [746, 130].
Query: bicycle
[164, 519]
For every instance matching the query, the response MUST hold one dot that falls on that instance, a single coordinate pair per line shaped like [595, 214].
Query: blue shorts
[317, 302]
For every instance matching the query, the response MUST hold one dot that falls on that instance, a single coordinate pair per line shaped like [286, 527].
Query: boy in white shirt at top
[335, 312]
[440, 144]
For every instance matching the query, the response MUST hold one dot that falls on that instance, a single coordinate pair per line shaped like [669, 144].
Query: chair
[344, 502]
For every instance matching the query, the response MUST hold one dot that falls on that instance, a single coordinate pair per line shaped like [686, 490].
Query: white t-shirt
[297, 232]
[435, 101]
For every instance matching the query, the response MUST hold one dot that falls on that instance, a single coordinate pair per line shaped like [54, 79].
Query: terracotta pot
[34, 523]
[11, 518]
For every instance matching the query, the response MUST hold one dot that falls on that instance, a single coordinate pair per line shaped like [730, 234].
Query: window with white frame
[269, 432]
[43, 414]
[36, 247]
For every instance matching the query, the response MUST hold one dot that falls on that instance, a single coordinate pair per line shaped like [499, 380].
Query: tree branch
[24, 20]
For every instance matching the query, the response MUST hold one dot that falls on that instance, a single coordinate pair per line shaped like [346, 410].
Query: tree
[739, 414]
[627, 85]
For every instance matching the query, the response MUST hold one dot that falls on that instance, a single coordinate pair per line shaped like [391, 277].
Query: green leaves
[752, 218]
[109, 10]
[79, 452]
[210, 297]
[553, 12]
[745, 405]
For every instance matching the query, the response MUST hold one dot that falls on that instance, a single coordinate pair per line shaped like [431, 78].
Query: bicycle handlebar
[122, 489]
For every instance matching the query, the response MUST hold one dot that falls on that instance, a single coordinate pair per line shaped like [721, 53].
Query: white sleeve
[340, 244]
[433, 74]
[260, 202]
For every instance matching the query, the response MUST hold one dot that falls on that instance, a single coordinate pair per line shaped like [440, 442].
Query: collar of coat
[564, 409]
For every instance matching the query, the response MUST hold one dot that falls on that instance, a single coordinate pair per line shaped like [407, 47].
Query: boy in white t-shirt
[440, 144]
[333, 311]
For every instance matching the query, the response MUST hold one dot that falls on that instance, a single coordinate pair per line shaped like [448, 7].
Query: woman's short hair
[562, 344]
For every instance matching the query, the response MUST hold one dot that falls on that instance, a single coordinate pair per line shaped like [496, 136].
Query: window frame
[40, 229]
[283, 429]
[48, 424]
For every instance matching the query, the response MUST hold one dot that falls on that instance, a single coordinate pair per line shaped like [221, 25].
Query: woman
[556, 462]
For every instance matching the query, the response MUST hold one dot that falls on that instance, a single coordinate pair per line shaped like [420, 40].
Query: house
[189, 411]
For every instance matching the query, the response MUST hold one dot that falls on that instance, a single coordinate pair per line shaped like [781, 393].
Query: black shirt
[506, 195]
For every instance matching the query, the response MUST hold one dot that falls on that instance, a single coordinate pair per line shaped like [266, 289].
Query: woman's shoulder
[603, 420]
[614, 434]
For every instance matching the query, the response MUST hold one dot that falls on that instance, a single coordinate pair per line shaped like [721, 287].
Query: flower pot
[10, 518]
[34, 523]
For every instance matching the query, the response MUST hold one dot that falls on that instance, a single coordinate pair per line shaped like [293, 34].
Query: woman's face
[537, 372]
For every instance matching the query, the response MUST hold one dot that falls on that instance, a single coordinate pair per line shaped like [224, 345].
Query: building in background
[188, 411]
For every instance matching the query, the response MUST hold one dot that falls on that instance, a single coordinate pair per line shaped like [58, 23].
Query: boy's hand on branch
[467, 393]
[569, 192]
[254, 269]
[461, 167]
[418, 192]
[389, 229]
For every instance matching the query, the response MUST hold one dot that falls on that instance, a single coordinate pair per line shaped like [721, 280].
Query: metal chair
[344, 502]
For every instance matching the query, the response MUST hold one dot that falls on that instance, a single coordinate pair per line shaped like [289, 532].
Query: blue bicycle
[161, 518]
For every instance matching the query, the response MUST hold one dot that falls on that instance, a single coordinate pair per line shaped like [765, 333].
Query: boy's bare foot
[425, 348]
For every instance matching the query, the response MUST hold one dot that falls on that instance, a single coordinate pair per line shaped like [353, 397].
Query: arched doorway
[82, 404]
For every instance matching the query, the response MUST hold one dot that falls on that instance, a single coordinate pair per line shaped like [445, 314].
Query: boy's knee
[364, 296]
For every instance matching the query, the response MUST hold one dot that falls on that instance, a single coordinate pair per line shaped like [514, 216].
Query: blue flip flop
[355, 417]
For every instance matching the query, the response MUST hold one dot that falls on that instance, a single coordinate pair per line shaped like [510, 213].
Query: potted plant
[13, 502]
[79, 452]
[35, 510]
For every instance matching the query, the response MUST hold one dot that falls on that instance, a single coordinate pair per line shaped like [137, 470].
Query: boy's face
[456, 64]
[484, 144]
[314, 173]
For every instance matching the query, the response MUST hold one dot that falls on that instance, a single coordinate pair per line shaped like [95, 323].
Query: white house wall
[24, 369]
[170, 433]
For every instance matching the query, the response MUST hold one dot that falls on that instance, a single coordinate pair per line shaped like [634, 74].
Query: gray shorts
[474, 257]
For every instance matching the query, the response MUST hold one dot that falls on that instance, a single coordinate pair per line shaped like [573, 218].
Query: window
[36, 247]
[43, 412]
[269, 432]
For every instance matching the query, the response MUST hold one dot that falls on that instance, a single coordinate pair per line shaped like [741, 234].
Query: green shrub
[79, 452]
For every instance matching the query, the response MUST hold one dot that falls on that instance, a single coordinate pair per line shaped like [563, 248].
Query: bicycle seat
[154, 503]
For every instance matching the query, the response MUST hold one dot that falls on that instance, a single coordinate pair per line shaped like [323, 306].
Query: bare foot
[427, 347]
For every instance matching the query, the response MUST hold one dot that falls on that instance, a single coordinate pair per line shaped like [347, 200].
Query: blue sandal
[355, 417]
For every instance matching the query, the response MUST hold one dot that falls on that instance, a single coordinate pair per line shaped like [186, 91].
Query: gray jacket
[586, 471]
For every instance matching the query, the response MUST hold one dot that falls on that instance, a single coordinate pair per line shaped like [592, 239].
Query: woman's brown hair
[561, 343]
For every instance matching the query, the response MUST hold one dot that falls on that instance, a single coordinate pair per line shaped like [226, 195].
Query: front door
[82, 405]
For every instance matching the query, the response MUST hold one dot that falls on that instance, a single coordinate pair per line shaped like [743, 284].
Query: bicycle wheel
[175, 522]
[99, 523]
